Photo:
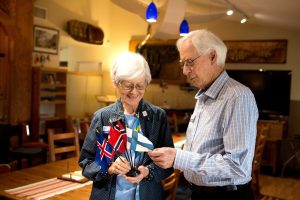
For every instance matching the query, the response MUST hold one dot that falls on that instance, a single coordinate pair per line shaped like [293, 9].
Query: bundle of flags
[117, 141]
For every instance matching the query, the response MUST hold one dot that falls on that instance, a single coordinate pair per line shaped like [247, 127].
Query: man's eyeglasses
[188, 62]
[130, 86]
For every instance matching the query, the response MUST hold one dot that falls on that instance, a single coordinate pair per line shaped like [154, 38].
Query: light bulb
[229, 12]
[151, 13]
[243, 20]
[184, 28]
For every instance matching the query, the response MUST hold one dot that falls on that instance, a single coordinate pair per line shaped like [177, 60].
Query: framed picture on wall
[45, 40]
[256, 51]
[162, 57]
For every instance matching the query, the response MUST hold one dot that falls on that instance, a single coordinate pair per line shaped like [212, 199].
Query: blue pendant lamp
[151, 13]
[184, 28]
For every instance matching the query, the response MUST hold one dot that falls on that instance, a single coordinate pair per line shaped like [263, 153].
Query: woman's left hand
[144, 172]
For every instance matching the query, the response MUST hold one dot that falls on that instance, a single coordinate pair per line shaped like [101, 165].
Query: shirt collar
[215, 88]
[143, 111]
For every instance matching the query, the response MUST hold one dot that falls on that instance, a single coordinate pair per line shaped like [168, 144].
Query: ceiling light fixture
[184, 28]
[229, 12]
[151, 13]
[146, 38]
[245, 17]
[243, 20]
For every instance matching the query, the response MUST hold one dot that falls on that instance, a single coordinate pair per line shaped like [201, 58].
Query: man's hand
[163, 157]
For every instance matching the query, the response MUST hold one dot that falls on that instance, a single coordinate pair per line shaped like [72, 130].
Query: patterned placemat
[45, 189]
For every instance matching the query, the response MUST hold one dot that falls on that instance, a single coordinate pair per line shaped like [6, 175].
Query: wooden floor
[271, 188]
[279, 188]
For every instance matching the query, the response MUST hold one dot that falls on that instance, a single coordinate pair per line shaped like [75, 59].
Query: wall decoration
[256, 51]
[40, 59]
[45, 40]
[162, 57]
[85, 32]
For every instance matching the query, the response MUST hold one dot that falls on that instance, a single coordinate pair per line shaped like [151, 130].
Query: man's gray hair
[205, 41]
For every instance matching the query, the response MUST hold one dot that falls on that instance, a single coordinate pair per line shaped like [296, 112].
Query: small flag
[117, 137]
[137, 141]
[104, 152]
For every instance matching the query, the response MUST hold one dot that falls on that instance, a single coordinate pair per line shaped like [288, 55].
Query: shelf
[85, 73]
[51, 118]
[52, 69]
[53, 102]
[49, 99]
[53, 85]
[50, 93]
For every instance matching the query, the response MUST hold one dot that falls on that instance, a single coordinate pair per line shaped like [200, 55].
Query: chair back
[26, 138]
[25, 132]
[4, 168]
[60, 143]
[170, 185]
[173, 123]
[262, 132]
[84, 127]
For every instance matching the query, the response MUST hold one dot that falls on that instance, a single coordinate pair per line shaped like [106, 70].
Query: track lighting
[233, 8]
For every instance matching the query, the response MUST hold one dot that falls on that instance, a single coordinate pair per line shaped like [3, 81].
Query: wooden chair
[170, 185]
[26, 138]
[173, 123]
[38, 146]
[24, 149]
[4, 168]
[84, 128]
[65, 146]
[261, 137]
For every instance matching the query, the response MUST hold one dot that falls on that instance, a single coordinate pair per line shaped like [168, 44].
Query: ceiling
[283, 14]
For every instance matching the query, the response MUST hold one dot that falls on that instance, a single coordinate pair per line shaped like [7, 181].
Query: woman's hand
[144, 172]
[120, 166]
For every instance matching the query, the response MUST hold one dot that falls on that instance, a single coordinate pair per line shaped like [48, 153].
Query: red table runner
[45, 189]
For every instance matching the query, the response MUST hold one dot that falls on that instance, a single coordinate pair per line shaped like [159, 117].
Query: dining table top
[43, 172]
[48, 171]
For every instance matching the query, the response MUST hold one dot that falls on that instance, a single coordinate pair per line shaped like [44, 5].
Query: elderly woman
[131, 76]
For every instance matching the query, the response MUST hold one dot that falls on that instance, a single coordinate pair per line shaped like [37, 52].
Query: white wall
[229, 30]
[119, 26]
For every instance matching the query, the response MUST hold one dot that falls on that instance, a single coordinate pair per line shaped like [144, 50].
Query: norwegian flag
[117, 137]
[104, 152]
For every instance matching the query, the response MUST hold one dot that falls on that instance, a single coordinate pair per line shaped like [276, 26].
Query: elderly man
[218, 153]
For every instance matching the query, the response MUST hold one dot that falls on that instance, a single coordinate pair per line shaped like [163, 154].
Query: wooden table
[43, 172]
[178, 139]
[51, 170]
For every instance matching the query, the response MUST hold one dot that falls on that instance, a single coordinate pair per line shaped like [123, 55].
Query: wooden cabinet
[49, 99]
[4, 75]
[277, 128]
[277, 132]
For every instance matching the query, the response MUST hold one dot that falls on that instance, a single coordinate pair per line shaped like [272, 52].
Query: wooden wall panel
[18, 22]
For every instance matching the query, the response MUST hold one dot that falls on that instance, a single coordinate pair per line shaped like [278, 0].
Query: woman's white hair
[205, 41]
[129, 66]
